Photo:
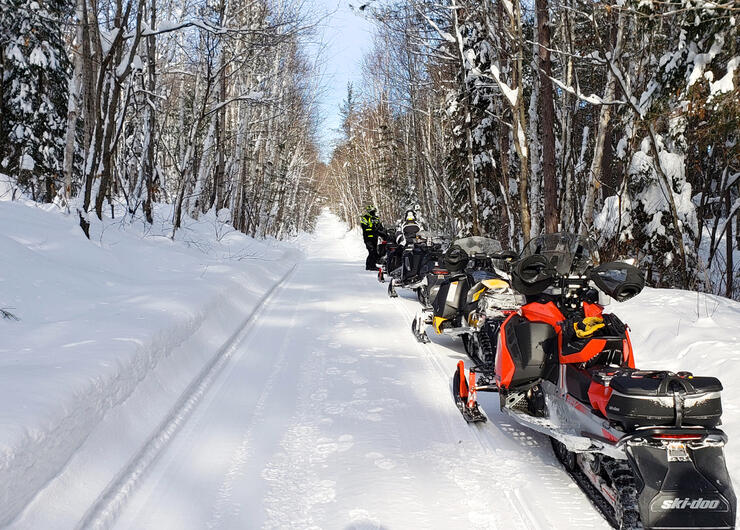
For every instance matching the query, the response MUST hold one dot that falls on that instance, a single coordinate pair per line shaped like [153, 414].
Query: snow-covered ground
[241, 384]
[128, 318]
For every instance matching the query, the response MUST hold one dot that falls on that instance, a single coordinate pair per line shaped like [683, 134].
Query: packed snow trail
[329, 414]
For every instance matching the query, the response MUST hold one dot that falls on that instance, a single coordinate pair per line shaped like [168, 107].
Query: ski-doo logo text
[689, 504]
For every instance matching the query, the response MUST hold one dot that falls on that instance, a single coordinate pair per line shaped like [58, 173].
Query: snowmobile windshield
[478, 245]
[568, 253]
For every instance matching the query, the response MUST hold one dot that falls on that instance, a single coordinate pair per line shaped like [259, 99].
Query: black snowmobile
[645, 445]
[470, 295]
[413, 261]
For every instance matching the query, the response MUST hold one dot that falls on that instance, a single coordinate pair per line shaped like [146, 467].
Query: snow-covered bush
[641, 217]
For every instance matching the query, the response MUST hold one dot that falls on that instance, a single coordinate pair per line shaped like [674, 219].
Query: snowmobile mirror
[618, 280]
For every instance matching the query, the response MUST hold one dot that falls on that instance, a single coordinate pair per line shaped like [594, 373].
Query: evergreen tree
[33, 99]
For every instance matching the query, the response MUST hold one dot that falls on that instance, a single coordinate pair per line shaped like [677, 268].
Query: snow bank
[682, 330]
[124, 321]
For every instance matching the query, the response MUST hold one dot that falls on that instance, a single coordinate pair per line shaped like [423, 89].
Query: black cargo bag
[652, 398]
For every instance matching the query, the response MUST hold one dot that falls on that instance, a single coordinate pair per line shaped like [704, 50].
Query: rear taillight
[440, 271]
[677, 436]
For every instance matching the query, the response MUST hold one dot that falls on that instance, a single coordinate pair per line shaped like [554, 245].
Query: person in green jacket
[372, 229]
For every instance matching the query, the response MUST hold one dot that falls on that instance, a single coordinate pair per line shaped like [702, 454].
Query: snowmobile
[645, 445]
[417, 258]
[471, 296]
[388, 254]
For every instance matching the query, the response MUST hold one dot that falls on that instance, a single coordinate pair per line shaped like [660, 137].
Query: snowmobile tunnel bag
[527, 352]
[640, 399]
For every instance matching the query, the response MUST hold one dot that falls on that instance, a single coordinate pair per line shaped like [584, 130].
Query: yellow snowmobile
[474, 299]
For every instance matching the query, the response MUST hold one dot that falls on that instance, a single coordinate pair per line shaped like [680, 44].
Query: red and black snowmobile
[644, 444]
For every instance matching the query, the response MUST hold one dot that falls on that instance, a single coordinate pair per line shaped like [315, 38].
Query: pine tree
[35, 70]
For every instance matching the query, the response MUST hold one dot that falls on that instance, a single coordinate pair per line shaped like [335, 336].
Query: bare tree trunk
[567, 171]
[151, 164]
[472, 188]
[594, 176]
[73, 105]
[547, 118]
[520, 125]
[729, 247]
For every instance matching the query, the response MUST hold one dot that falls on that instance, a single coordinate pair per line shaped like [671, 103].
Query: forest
[618, 120]
[109, 107]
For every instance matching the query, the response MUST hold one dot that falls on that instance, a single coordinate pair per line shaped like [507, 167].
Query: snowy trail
[324, 411]
[331, 415]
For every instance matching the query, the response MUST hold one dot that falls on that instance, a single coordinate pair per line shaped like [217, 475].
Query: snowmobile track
[596, 499]
[105, 509]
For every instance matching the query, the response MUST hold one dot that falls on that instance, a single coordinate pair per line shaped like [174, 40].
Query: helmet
[410, 215]
[370, 209]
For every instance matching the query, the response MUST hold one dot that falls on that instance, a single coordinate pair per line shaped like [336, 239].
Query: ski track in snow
[331, 415]
[106, 507]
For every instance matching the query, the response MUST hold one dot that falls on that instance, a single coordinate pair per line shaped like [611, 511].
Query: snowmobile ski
[417, 328]
[464, 391]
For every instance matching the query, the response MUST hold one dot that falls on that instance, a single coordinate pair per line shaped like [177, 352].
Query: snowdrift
[111, 331]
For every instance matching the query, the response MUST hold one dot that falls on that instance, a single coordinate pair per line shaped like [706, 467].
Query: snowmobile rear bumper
[692, 492]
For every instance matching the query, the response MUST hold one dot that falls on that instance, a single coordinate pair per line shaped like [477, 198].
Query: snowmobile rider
[372, 229]
[406, 238]
[408, 230]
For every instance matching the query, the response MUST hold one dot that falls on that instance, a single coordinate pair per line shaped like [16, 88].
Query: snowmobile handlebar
[534, 274]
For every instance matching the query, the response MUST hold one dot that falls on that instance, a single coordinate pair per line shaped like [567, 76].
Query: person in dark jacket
[372, 229]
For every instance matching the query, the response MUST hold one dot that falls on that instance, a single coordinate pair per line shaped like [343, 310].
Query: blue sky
[347, 38]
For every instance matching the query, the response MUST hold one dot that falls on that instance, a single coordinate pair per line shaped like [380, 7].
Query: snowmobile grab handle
[685, 384]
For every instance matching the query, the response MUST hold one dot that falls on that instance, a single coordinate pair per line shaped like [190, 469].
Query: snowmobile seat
[598, 341]
[451, 296]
